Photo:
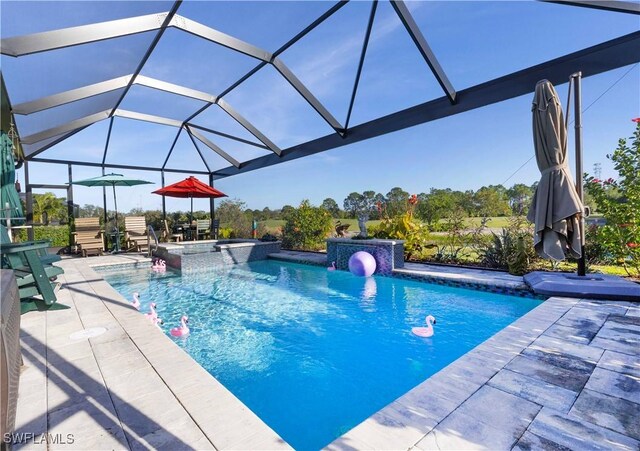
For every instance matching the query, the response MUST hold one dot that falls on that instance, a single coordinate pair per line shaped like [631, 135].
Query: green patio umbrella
[8, 192]
[112, 180]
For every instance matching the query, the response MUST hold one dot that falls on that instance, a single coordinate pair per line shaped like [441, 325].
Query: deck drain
[87, 333]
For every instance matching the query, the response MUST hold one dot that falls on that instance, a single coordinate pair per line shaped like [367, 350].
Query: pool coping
[414, 420]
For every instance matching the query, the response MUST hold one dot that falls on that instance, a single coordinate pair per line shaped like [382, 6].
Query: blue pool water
[315, 352]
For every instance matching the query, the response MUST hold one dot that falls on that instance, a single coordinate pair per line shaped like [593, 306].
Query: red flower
[636, 120]
[595, 181]
[633, 245]
[413, 199]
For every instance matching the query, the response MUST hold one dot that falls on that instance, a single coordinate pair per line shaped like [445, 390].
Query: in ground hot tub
[197, 256]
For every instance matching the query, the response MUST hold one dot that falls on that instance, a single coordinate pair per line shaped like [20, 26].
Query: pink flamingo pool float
[152, 315]
[183, 329]
[136, 301]
[425, 332]
[332, 267]
[159, 266]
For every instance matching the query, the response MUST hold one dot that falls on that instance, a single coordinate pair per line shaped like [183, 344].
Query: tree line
[492, 200]
[438, 203]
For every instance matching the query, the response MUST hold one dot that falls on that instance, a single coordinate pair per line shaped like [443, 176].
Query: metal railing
[151, 232]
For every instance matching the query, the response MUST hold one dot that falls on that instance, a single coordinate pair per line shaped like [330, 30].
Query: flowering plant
[619, 202]
[403, 227]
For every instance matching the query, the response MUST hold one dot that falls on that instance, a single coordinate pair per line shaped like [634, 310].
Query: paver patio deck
[567, 374]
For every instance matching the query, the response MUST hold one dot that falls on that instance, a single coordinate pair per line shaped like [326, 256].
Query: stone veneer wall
[389, 254]
[214, 254]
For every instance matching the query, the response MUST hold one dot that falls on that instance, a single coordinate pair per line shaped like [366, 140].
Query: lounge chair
[135, 233]
[33, 277]
[202, 228]
[88, 236]
[168, 236]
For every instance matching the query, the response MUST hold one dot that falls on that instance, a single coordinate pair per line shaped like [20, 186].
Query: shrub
[619, 202]
[58, 235]
[306, 227]
[404, 227]
[225, 233]
[232, 214]
[511, 250]
[457, 239]
[595, 252]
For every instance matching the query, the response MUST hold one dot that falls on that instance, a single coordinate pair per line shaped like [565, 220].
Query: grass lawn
[273, 225]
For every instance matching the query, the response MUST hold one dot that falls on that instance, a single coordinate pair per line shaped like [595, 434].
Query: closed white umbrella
[556, 206]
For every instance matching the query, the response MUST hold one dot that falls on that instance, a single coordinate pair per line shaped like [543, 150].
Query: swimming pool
[315, 352]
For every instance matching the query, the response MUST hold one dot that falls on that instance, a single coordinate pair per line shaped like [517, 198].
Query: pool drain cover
[87, 333]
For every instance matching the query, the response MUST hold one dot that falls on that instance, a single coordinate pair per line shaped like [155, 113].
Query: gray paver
[607, 411]
[576, 434]
[621, 363]
[615, 384]
[571, 379]
[534, 390]
[529, 442]
[508, 413]
[459, 431]
[560, 346]
[576, 334]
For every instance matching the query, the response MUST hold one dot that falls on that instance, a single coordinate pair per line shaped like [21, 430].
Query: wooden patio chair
[202, 228]
[136, 235]
[168, 235]
[88, 236]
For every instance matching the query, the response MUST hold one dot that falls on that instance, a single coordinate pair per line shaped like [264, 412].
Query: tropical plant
[619, 203]
[403, 226]
[47, 207]
[511, 249]
[306, 227]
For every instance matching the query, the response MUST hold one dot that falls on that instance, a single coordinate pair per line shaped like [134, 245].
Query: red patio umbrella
[190, 187]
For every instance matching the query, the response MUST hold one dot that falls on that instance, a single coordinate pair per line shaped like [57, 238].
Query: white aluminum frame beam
[147, 118]
[203, 139]
[66, 128]
[73, 95]
[83, 34]
[248, 126]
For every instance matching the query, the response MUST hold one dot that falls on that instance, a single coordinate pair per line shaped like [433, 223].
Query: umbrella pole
[577, 79]
[191, 222]
[115, 205]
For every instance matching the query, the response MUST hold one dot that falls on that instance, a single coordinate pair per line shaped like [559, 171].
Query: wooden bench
[88, 236]
[136, 233]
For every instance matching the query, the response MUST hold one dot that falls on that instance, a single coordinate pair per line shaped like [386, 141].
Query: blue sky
[474, 42]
